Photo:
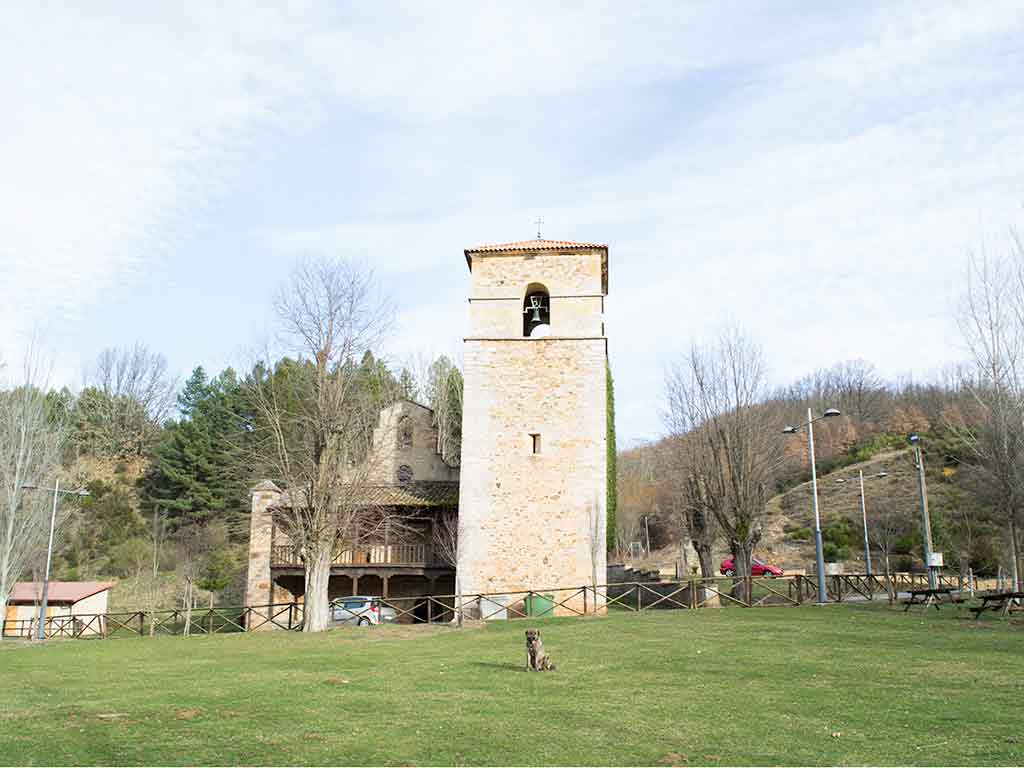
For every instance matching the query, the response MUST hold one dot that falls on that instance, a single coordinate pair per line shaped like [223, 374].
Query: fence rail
[690, 594]
[289, 555]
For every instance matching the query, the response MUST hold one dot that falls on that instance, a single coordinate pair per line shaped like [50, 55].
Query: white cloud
[815, 175]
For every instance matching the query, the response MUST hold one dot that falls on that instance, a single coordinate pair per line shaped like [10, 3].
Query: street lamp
[819, 557]
[915, 442]
[40, 634]
[864, 514]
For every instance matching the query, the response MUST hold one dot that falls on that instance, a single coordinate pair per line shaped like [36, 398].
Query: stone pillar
[258, 589]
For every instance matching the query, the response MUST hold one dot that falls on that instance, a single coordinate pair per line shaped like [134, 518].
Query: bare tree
[885, 526]
[128, 395]
[444, 392]
[684, 496]
[992, 322]
[597, 547]
[717, 394]
[153, 577]
[30, 451]
[316, 416]
[449, 533]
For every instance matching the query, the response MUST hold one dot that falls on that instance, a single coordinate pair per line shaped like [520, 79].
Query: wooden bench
[926, 597]
[998, 601]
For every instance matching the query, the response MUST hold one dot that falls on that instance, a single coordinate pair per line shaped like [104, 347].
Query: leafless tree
[449, 533]
[128, 394]
[991, 320]
[885, 526]
[153, 591]
[316, 416]
[30, 451]
[445, 396]
[717, 394]
[684, 496]
[597, 547]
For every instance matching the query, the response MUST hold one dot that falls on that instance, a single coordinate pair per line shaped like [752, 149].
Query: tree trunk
[316, 608]
[211, 612]
[1015, 554]
[188, 608]
[742, 555]
[3, 617]
[888, 581]
[458, 596]
[707, 565]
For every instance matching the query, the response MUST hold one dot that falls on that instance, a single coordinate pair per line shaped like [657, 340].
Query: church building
[534, 431]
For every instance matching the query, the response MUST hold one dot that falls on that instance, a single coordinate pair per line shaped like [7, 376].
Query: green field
[838, 684]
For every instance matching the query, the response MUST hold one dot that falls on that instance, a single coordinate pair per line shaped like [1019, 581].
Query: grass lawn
[838, 684]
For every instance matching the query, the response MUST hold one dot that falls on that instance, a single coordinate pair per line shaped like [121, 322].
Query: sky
[812, 172]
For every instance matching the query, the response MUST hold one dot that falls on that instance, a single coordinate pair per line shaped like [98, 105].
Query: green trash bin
[540, 605]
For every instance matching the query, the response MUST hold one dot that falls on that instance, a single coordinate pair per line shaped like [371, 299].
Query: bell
[536, 315]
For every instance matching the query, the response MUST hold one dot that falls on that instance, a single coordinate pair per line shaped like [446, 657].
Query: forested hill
[870, 436]
[168, 469]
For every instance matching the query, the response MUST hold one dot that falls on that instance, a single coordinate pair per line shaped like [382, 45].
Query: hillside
[892, 499]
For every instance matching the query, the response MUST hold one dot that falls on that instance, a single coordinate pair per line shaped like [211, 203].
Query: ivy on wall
[612, 501]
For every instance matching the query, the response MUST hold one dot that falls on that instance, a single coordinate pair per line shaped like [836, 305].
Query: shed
[72, 607]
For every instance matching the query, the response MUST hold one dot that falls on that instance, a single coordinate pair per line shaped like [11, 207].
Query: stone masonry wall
[258, 589]
[528, 518]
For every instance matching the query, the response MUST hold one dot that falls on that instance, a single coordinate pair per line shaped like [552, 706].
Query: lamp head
[882, 474]
[787, 430]
[913, 438]
[831, 412]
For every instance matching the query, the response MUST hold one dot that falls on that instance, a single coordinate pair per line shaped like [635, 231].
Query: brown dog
[536, 659]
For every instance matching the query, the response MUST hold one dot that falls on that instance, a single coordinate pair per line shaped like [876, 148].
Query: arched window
[405, 474]
[536, 311]
[405, 432]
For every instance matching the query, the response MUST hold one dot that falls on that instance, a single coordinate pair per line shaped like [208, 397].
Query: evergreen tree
[613, 495]
[196, 476]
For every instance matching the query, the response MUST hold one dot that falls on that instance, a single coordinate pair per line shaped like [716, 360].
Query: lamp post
[864, 515]
[40, 633]
[818, 555]
[926, 523]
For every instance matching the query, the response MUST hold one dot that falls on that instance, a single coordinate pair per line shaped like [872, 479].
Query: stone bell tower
[534, 431]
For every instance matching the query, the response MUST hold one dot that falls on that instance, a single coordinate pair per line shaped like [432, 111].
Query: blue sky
[814, 172]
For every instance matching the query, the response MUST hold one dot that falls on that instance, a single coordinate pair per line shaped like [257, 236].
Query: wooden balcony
[405, 555]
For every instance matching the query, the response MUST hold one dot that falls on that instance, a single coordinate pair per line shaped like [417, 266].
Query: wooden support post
[355, 585]
[385, 579]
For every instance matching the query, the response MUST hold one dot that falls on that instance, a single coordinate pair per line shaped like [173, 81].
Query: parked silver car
[361, 611]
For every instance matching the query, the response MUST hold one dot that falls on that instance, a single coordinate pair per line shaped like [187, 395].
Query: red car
[757, 568]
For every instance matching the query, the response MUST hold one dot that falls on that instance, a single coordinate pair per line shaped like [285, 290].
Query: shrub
[802, 533]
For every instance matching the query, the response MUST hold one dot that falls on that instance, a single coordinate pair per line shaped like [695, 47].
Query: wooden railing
[370, 555]
[694, 593]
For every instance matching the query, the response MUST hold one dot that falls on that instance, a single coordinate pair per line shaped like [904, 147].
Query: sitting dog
[536, 659]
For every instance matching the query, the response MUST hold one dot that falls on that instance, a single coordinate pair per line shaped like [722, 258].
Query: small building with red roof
[72, 608]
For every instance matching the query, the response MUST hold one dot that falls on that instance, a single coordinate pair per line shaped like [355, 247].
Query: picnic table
[926, 597]
[998, 601]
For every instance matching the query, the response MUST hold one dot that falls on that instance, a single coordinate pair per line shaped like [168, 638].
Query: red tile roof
[542, 245]
[534, 245]
[60, 592]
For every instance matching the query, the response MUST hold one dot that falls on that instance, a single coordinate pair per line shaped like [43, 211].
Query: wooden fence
[749, 592]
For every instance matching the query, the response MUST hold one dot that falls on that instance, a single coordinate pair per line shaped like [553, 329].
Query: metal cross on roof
[538, 222]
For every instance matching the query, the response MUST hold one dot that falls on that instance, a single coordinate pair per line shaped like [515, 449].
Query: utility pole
[40, 628]
[818, 554]
[926, 523]
[864, 517]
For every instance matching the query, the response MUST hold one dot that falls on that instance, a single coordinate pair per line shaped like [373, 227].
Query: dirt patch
[112, 716]
[187, 714]
[336, 681]
[672, 758]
